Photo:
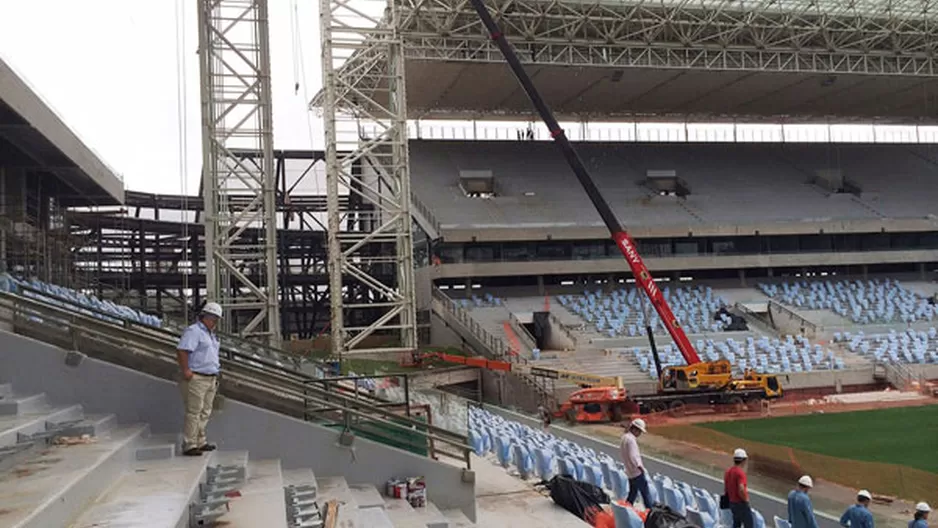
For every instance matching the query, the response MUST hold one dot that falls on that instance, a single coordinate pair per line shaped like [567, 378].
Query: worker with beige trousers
[197, 355]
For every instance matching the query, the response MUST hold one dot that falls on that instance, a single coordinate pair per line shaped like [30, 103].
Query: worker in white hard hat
[736, 491]
[632, 459]
[858, 515]
[921, 516]
[800, 509]
[199, 365]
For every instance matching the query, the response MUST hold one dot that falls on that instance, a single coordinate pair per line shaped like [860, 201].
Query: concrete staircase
[62, 468]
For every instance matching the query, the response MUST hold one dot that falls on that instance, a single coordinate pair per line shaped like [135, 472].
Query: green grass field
[906, 436]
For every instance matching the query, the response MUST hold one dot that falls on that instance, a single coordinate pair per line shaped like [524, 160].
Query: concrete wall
[787, 321]
[768, 505]
[102, 387]
[489, 233]
[663, 265]
[827, 378]
[508, 390]
[443, 335]
[559, 337]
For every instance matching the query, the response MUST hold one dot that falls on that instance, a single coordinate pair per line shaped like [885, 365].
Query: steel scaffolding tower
[234, 56]
[363, 102]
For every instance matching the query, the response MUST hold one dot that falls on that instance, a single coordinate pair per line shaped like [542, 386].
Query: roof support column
[364, 109]
[240, 214]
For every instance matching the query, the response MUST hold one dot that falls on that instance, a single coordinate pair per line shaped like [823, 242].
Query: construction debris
[74, 440]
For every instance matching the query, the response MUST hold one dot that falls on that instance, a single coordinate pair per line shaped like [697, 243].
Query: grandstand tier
[766, 187]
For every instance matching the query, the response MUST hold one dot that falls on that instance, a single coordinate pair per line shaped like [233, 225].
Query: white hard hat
[639, 424]
[864, 494]
[806, 481]
[922, 507]
[212, 309]
[740, 454]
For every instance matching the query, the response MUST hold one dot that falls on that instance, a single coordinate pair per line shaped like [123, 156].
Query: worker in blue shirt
[921, 516]
[858, 515]
[800, 510]
[199, 365]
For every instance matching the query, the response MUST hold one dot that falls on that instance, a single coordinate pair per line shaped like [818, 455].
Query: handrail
[521, 332]
[496, 346]
[425, 212]
[227, 338]
[278, 387]
[130, 324]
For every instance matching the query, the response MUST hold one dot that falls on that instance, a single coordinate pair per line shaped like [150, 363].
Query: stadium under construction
[773, 165]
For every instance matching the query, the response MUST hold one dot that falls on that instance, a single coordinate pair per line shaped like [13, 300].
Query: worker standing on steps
[921, 516]
[858, 515]
[736, 491]
[632, 459]
[800, 509]
[199, 365]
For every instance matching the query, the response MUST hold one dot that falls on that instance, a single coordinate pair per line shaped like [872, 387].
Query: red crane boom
[624, 242]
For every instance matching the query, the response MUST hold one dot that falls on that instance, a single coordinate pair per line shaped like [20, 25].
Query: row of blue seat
[621, 311]
[533, 453]
[863, 302]
[68, 298]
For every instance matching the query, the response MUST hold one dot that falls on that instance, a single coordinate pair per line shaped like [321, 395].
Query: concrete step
[336, 488]
[376, 517]
[261, 501]
[19, 404]
[151, 494]
[299, 477]
[159, 447]
[51, 488]
[458, 519]
[366, 496]
[403, 514]
[11, 426]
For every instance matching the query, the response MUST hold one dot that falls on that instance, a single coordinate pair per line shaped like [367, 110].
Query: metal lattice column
[239, 193]
[363, 102]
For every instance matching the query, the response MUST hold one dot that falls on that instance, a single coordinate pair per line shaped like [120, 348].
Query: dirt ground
[782, 408]
[829, 497]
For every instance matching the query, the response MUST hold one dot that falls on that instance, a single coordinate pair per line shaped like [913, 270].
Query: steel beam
[363, 103]
[239, 193]
[896, 38]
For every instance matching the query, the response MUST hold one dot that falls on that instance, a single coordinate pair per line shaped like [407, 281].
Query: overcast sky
[109, 69]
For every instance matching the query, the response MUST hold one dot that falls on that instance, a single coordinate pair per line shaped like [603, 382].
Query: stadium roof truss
[712, 58]
[387, 61]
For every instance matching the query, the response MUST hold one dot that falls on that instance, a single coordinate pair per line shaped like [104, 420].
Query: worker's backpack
[579, 498]
[661, 516]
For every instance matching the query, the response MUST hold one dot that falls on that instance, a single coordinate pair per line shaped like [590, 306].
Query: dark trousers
[742, 515]
[638, 485]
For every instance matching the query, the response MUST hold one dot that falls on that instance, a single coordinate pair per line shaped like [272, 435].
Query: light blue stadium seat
[675, 499]
[625, 517]
[620, 484]
[701, 519]
[758, 518]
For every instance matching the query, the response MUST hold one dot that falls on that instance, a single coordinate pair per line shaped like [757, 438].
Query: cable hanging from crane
[182, 114]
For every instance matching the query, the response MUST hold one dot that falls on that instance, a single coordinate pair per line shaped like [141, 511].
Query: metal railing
[331, 402]
[783, 317]
[425, 212]
[231, 343]
[523, 335]
[494, 347]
